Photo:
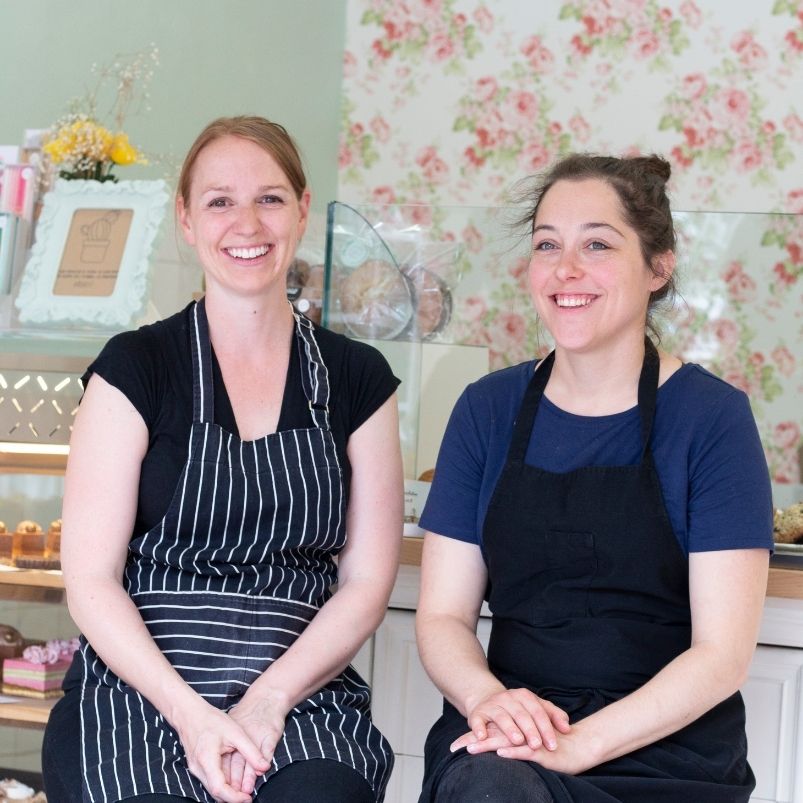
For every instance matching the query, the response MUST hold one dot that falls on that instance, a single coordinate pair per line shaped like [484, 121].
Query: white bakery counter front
[405, 703]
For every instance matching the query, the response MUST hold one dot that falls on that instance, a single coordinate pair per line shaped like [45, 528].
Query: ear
[183, 219]
[663, 266]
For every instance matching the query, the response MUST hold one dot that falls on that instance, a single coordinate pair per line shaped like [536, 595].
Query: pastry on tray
[6, 544]
[53, 539]
[787, 525]
[11, 790]
[30, 540]
[433, 302]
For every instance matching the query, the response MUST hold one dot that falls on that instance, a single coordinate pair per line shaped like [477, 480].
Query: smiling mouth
[249, 253]
[572, 301]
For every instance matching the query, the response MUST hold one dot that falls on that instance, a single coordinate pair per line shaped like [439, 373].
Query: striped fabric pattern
[225, 583]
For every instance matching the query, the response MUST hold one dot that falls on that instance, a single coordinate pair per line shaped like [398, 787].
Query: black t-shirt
[153, 368]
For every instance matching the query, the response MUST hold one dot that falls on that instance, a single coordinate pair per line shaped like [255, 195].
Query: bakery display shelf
[53, 342]
[36, 578]
[15, 461]
[785, 582]
[26, 713]
[31, 585]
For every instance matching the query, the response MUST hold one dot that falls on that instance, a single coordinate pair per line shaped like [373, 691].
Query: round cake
[433, 303]
[376, 300]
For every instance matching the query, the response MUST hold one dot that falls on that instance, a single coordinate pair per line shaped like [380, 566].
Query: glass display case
[443, 292]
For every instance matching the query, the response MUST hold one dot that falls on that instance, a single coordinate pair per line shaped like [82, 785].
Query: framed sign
[89, 264]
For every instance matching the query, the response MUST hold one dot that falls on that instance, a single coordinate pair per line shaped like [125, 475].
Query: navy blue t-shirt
[705, 444]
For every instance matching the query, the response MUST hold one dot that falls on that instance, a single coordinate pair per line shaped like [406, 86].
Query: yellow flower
[56, 150]
[122, 152]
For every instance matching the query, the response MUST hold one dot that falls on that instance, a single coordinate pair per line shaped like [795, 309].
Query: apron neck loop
[202, 390]
[647, 391]
[314, 374]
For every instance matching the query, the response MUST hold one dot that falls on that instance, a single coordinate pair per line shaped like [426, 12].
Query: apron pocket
[560, 589]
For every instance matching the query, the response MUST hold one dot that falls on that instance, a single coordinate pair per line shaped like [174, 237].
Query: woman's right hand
[519, 715]
[210, 737]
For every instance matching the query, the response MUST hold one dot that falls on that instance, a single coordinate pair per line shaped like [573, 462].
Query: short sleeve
[454, 498]
[730, 497]
[371, 383]
[132, 363]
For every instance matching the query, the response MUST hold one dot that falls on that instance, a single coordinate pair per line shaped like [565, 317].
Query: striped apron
[225, 583]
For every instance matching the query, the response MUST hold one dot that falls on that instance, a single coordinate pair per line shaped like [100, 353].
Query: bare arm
[727, 591]
[367, 569]
[108, 444]
[453, 579]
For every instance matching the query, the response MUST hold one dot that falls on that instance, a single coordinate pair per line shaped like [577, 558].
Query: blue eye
[596, 245]
[544, 245]
[270, 199]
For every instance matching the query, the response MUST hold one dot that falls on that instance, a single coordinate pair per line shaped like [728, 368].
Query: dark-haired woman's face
[588, 279]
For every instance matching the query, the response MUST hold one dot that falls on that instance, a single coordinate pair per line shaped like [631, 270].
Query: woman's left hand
[571, 755]
[262, 718]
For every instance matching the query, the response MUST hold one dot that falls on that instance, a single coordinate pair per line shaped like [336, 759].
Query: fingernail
[503, 752]
[551, 745]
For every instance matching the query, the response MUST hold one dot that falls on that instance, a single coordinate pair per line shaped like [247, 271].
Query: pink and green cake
[40, 670]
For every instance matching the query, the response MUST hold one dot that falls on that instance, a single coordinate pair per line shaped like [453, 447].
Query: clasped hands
[518, 724]
[227, 752]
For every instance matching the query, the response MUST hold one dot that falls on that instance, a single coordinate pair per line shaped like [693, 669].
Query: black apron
[225, 583]
[588, 588]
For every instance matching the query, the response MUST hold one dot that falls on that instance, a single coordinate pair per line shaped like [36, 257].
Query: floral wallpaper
[448, 103]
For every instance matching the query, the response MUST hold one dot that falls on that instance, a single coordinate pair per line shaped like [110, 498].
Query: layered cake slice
[40, 671]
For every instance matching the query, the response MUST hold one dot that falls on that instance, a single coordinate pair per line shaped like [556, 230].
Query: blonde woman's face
[242, 217]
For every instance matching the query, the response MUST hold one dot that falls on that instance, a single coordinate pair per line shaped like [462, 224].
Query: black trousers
[321, 780]
[488, 778]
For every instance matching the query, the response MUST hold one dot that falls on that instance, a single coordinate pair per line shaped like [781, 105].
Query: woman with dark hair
[228, 466]
[612, 505]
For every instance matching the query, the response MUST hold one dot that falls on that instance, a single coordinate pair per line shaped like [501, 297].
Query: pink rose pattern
[641, 30]
[721, 123]
[746, 331]
[449, 102]
[430, 29]
[793, 40]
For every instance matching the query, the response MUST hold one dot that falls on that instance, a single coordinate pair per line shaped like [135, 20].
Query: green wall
[275, 58]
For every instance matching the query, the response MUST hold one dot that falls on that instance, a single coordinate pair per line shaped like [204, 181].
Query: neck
[246, 325]
[597, 383]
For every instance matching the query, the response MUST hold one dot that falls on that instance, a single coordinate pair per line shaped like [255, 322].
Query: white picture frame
[90, 263]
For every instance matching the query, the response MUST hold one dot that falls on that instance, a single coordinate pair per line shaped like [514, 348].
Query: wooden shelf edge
[785, 583]
[24, 713]
[32, 578]
[411, 550]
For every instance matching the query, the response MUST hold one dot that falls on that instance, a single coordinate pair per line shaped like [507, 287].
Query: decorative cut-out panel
[38, 406]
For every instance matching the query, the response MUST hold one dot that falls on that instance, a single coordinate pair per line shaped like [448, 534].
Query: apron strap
[203, 396]
[647, 395]
[523, 425]
[314, 374]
